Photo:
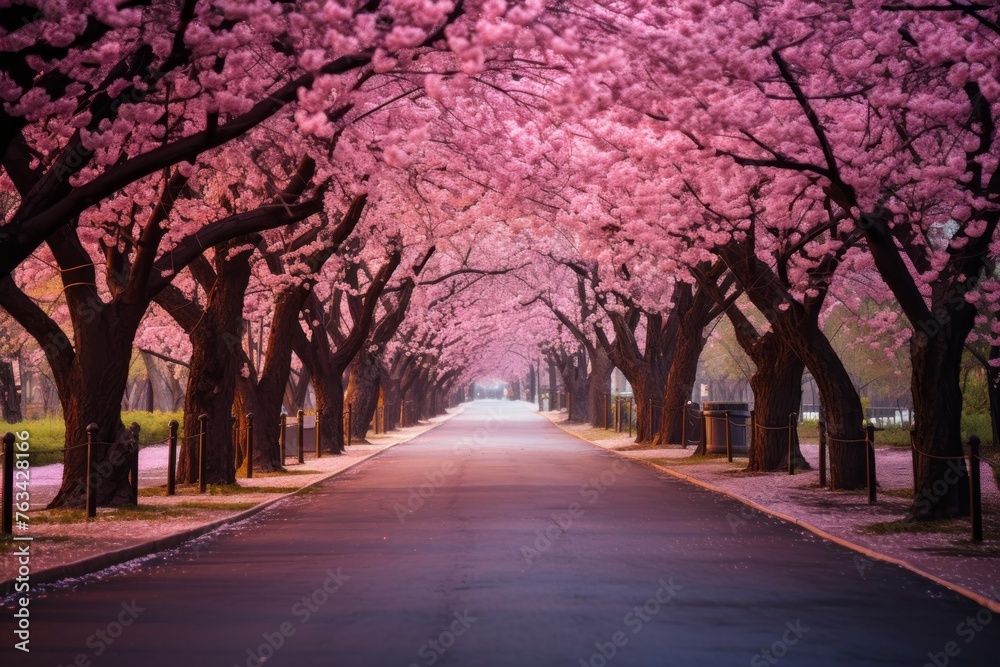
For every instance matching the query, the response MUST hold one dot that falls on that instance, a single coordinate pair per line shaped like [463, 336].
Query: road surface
[497, 539]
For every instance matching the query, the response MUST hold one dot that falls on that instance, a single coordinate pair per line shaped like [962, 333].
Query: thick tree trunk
[573, 368]
[599, 387]
[392, 400]
[216, 356]
[363, 392]
[92, 393]
[330, 399]
[10, 396]
[681, 378]
[798, 327]
[942, 484]
[777, 390]
[648, 394]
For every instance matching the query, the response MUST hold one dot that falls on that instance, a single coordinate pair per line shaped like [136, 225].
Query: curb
[979, 598]
[102, 561]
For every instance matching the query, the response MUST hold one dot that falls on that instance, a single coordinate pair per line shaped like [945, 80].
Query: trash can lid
[725, 405]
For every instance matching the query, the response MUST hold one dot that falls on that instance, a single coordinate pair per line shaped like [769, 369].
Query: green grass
[234, 507]
[215, 490]
[47, 436]
[899, 436]
[599, 434]
[910, 526]
[689, 460]
[134, 512]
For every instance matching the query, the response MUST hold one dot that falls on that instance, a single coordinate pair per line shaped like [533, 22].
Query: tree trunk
[161, 389]
[330, 399]
[573, 368]
[216, 354]
[362, 393]
[92, 393]
[648, 394]
[599, 386]
[777, 390]
[10, 395]
[392, 400]
[993, 391]
[798, 327]
[553, 386]
[681, 378]
[942, 485]
[532, 384]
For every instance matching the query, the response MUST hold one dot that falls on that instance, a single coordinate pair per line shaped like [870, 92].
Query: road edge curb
[103, 561]
[979, 598]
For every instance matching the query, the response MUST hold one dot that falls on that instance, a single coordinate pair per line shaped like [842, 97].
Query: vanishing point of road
[497, 539]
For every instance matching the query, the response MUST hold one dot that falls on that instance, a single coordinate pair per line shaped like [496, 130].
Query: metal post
[202, 448]
[729, 444]
[236, 436]
[172, 458]
[684, 424]
[822, 454]
[92, 482]
[249, 445]
[870, 449]
[319, 415]
[134, 472]
[791, 439]
[916, 462]
[630, 417]
[350, 419]
[282, 438]
[975, 490]
[301, 431]
[8, 484]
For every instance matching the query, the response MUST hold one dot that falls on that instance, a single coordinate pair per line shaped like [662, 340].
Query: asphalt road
[496, 539]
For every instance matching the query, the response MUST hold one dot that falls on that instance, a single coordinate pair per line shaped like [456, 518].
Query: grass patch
[133, 512]
[899, 436]
[7, 541]
[214, 490]
[124, 513]
[598, 433]
[234, 507]
[283, 473]
[909, 526]
[48, 436]
[689, 460]
[236, 489]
